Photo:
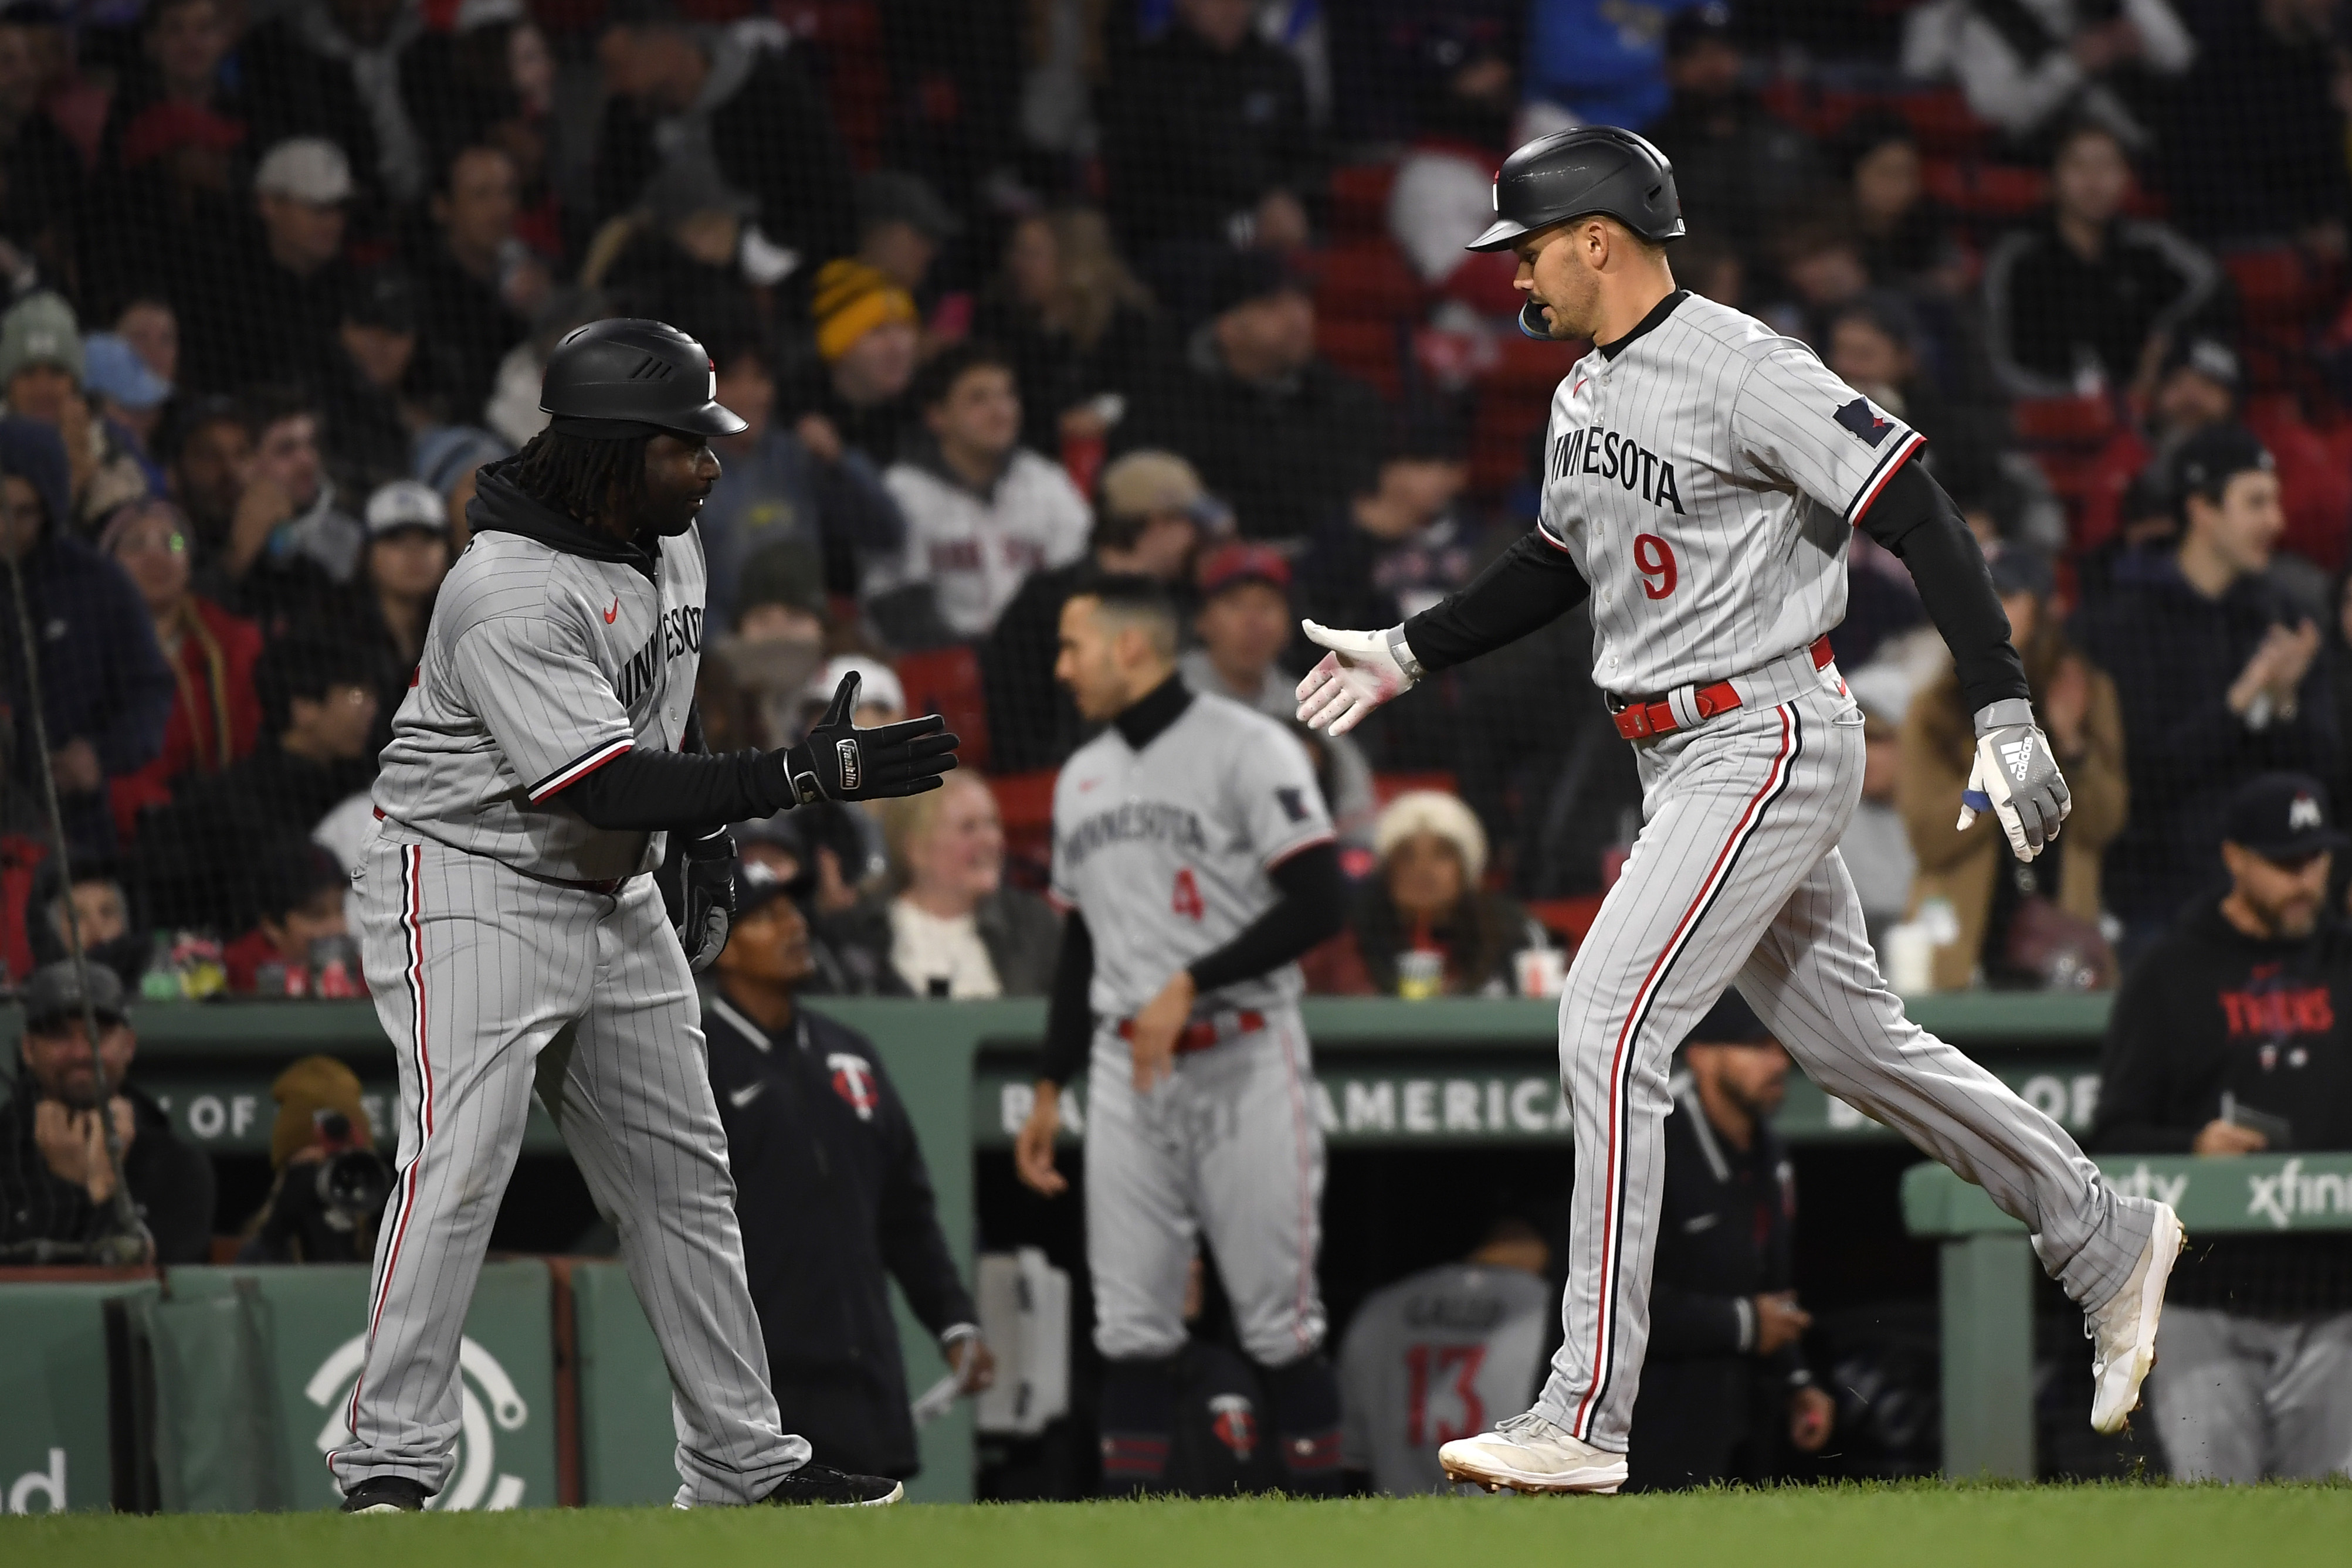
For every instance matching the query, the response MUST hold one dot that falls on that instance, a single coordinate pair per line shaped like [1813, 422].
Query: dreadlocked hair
[582, 476]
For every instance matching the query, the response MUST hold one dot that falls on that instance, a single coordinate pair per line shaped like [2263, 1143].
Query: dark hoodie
[171, 1183]
[2174, 655]
[102, 678]
[2209, 1011]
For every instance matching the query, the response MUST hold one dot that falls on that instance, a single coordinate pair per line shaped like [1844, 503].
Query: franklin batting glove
[2016, 778]
[698, 885]
[838, 761]
[1363, 670]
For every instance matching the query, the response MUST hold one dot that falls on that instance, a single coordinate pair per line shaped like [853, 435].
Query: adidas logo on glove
[2019, 755]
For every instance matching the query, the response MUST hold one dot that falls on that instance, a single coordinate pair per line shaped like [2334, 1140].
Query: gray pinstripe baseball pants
[1736, 878]
[491, 983]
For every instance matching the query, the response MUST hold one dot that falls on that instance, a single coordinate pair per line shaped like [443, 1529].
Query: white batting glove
[1363, 670]
[2016, 778]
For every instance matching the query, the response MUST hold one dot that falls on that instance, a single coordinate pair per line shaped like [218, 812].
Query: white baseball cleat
[2123, 1331]
[1527, 1453]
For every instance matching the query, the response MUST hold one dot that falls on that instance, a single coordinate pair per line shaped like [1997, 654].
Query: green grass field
[1910, 1526]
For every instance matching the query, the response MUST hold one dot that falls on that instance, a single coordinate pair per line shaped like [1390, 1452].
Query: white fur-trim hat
[1429, 811]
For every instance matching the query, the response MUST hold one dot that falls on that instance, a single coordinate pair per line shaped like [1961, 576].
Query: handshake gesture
[838, 761]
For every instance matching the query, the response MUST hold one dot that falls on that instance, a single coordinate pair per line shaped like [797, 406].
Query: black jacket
[1196, 136]
[1032, 723]
[773, 140]
[103, 680]
[171, 1183]
[2209, 1012]
[1284, 457]
[2174, 655]
[2049, 313]
[1709, 1407]
[835, 1202]
[205, 853]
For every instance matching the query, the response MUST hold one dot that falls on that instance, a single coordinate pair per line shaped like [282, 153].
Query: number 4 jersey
[1705, 473]
[1165, 851]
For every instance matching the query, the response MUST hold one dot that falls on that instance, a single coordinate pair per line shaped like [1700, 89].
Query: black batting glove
[698, 885]
[838, 761]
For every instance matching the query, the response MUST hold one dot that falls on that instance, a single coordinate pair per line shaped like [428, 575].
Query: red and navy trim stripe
[1620, 1062]
[1910, 441]
[580, 768]
[412, 931]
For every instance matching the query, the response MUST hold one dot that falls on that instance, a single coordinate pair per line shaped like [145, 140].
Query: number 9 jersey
[1704, 473]
[1165, 851]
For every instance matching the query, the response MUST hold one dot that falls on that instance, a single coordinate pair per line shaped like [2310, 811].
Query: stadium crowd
[1013, 291]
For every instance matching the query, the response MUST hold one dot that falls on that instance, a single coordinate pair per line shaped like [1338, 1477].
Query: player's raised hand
[2015, 777]
[1363, 670]
[838, 761]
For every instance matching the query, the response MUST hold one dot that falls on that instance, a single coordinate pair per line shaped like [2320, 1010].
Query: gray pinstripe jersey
[1705, 480]
[538, 667]
[1166, 851]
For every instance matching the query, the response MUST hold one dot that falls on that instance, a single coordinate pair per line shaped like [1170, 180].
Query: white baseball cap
[881, 682]
[406, 504]
[308, 169]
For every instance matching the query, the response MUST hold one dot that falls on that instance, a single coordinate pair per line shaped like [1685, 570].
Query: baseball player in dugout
[1194, 858]
[1702, 476]
[546, 762]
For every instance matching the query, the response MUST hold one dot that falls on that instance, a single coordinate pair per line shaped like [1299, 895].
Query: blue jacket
[1603, 59]
[102, 678]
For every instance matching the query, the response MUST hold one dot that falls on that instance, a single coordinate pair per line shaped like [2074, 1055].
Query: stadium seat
[2064, 420]
[1367, 280]
[2276, 288]
[1569, 918]
[1025, 803]
[1359, 200]
[1942, 120]
[945, 681]
[1993, 192]
[1368, 349]
[1387, 786]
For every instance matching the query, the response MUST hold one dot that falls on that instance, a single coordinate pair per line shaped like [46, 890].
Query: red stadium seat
[1368, 278]
[2064, 420]
[1568, 917]
[1365, 349]
[1025, 803]
[945, 681]
[1360, 200]
[1942, 120]
[2276, 288]
[1387, 786]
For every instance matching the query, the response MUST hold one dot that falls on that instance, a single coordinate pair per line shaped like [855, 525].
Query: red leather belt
[1203, 1033]
[1643, 717]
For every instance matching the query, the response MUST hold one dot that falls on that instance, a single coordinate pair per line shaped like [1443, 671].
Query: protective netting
[283, 276]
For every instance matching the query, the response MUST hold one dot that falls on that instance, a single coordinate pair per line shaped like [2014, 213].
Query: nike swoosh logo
[738, 1098]
[613, 614]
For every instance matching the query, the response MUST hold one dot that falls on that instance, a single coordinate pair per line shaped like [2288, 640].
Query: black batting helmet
[1576, 174]
[611, 380]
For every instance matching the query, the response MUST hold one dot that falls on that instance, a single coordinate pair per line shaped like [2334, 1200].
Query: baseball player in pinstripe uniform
[1701, 477]
[545, 756]
[1193, 857]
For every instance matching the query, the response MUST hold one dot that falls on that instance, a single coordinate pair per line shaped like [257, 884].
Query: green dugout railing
[1987, 1267]
[1391, 1074]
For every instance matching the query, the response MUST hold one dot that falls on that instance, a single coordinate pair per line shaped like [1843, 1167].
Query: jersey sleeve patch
[1871, 426]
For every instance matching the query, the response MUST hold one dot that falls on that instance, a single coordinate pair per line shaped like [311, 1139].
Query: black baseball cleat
[385, 1494]
[822, 1486]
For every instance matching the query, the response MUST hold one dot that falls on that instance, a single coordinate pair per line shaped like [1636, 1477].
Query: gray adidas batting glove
[2015, 777]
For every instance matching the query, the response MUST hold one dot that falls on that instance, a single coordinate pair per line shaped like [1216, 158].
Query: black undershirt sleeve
[1313, 906]
[1524, 589]
[1069, 1014]
[1915, 520]
[652, 791]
